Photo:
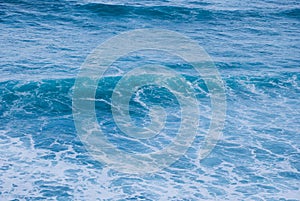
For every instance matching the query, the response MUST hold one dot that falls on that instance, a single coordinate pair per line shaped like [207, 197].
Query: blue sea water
[255, 46]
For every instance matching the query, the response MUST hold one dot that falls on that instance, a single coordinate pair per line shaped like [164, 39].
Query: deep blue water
[255, 46]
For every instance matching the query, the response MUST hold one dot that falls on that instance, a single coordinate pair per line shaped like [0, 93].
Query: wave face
[255, 46]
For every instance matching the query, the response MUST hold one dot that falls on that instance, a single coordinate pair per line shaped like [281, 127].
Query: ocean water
[255, 46]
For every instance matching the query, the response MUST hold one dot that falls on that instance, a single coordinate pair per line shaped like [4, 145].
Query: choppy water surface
[255, 46]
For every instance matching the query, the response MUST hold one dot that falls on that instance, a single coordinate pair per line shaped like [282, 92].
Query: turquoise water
[255, 46]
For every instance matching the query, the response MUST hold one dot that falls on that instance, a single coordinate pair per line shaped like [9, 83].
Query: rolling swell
[53, 97]
[205, 12]
[185, 13]
[156, 12]
[291, 13]
[32, 99]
